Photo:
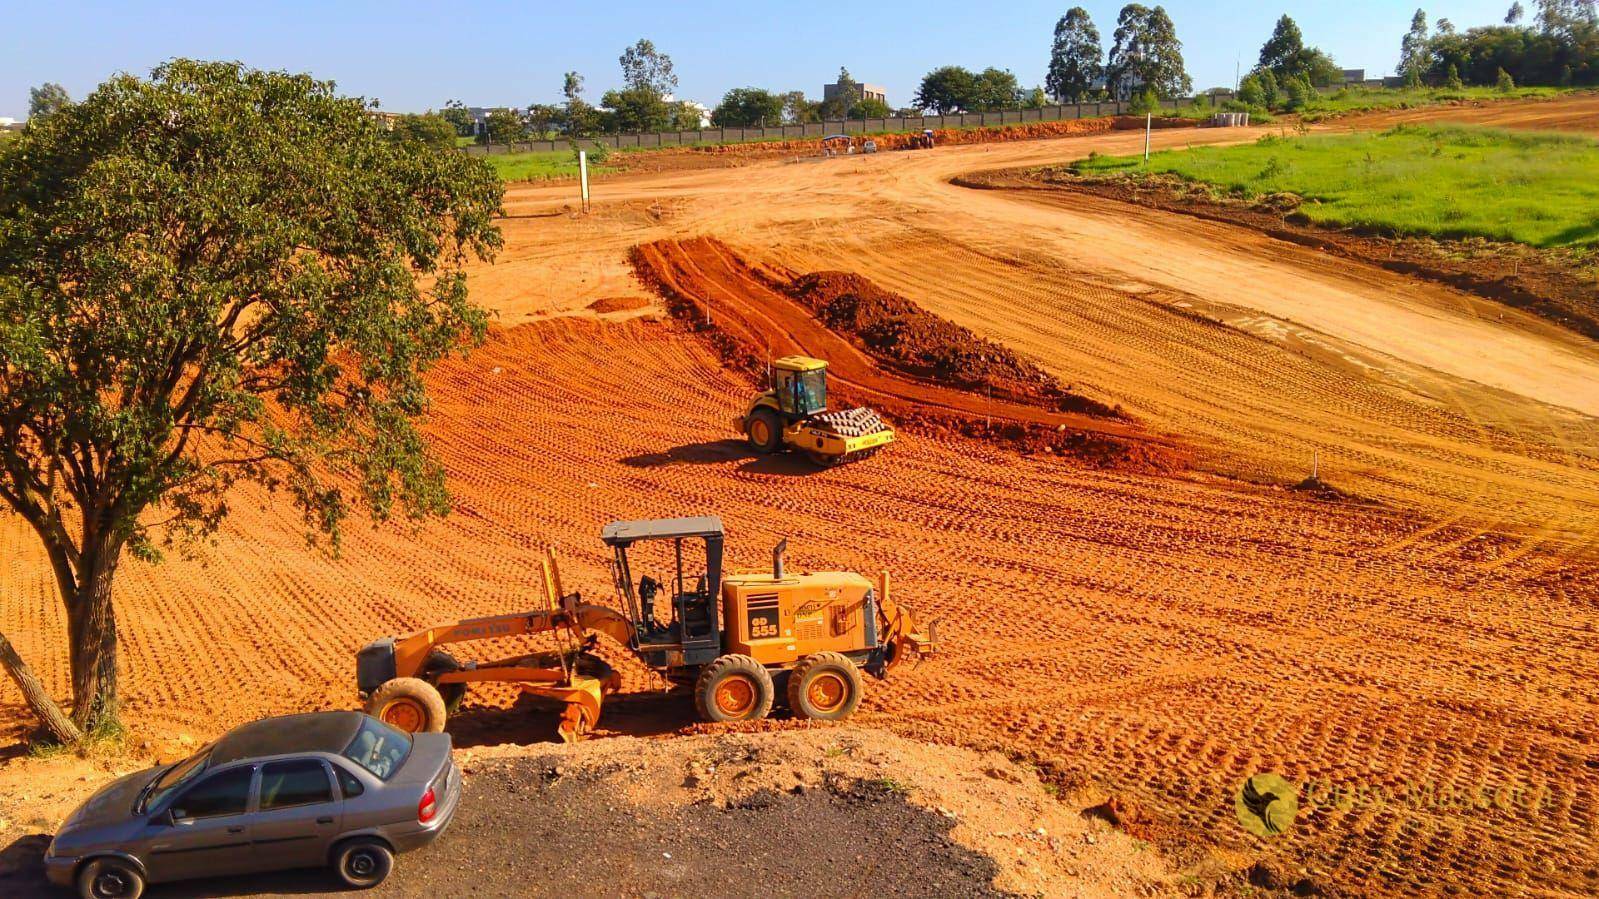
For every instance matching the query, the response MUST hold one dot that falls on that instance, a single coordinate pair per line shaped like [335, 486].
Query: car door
[205, 830]
[298, 813]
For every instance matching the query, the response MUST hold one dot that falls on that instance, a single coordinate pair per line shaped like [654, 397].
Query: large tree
[947, 89]
[46, 99]
[748, 106]
[1147, 54]
[219, 275]
[645, 68]
[1286, 55]
[1413, 52]
[1075, 57]
[844, 98]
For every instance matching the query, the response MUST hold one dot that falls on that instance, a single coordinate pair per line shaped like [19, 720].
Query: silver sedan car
[329, 788]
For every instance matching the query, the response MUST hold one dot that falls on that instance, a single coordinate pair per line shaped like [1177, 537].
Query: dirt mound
[605, 305]
[746, 313]
[911, 339]
[984, 802]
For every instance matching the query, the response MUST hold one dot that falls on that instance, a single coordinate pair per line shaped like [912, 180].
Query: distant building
[9, 124]
[1354, 76]
[868, 92]
[480, 117]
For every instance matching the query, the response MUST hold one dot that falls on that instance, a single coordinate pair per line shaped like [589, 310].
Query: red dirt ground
[1423, 669]
[719, 290]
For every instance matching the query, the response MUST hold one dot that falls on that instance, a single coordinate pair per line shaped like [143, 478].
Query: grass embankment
[1451, 182]
[1369, 99]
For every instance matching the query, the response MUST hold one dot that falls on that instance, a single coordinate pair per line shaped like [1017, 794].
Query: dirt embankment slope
[824, 812]
[752, 321]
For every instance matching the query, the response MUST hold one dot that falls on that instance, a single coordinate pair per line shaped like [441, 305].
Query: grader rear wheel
[734, 688]
[825, 686]
[409, 704]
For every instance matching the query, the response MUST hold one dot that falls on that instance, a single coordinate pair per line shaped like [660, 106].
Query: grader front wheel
[409, 704]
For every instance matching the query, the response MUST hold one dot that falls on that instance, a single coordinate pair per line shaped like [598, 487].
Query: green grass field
[1366, 99]
[538, 166]
[1537, 189]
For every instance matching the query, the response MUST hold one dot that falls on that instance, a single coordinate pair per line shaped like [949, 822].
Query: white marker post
[583, 176]
[1149, 125]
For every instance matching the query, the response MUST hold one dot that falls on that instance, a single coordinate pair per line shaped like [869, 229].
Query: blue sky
[413, 56]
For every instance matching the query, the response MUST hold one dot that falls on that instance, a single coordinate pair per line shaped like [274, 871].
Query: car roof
[311, 732]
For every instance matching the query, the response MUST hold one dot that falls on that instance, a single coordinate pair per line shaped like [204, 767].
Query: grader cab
[793, 414]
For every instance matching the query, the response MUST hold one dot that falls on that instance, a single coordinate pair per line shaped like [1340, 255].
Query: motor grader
[740, 642]
[793, 414]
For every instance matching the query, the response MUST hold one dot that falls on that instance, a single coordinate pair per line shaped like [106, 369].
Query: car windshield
[172, 778]
[379, 748]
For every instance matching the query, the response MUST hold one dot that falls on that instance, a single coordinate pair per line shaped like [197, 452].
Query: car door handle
[325, 819]
[237, 828]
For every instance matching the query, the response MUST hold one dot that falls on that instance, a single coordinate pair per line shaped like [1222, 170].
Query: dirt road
[1165, 636]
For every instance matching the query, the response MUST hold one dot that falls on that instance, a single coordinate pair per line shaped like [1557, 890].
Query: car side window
[349, 784]
[224, 793]
[297, 782]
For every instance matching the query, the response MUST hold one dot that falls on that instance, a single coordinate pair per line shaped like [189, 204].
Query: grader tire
[409, 704]
[825, 686]
[733, 688]
[440, 662]
[764, 430]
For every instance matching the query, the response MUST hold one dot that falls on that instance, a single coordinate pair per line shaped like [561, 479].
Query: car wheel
[363, 863]
[110, 878]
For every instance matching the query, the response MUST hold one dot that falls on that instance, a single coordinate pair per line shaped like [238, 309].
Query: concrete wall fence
[843, 126]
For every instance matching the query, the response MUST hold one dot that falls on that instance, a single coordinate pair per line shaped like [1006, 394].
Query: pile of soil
[1559, 285]
[907, 337]
[605, 305]
[747, 313]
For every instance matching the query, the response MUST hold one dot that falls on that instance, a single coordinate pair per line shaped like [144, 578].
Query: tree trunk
[92, 629]
[33, 693]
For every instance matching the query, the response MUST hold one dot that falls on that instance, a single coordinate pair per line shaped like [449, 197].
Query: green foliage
[546, 164]
[456, 114]
[949, 89]
[46, 100]
[1145, 102]
[1146, 52]
[1536, 189]
[503, 126]
[231, 297]
[1504, 83]
[870, 108]
[637, 109]
[1452, 79]
[745, 107]
[431, 129]
[212, 276]
[1413, 52]
[798, 111]
[1075, 57]
[648, 70]
[1299, 92]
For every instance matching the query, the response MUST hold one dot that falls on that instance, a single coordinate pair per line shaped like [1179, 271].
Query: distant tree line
[1558, 46]
[1144, 65]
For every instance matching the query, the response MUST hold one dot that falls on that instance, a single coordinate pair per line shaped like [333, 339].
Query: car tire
[363, 863]
[409, 704]
[825, 686]
[110, 878]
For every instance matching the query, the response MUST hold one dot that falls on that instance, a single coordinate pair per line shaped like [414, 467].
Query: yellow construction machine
[793, 414]
[741, 642]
